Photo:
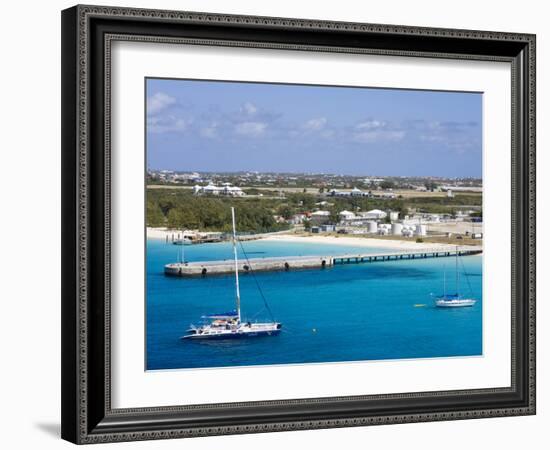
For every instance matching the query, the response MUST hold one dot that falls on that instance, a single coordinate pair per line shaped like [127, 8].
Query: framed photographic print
[279, 224]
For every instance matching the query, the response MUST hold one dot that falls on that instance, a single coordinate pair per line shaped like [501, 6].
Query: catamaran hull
[223, 336]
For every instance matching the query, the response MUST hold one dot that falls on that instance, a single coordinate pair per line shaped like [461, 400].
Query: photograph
[301, 224]
[273, 222]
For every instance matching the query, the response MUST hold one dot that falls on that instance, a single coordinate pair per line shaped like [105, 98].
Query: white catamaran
[229, 325]
[453, 300]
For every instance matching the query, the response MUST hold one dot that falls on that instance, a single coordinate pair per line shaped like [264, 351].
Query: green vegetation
[387, 184]
[430, 186]
[445, 205]
[457, 200]
[181, 209]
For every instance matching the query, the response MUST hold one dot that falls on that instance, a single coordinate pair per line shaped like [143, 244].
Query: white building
[320, 214]
[211, 189]
[374, 214]
[297, 219]
[186, 176]
[346, 215]
[385, 195]
[233, 191]
[320, 217]
[353, 193]
[394, 215]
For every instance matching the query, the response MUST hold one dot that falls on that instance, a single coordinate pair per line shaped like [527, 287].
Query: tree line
[183, 210]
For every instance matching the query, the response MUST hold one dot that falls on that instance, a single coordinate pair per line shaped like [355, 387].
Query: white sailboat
[229, 325]
[453, 300]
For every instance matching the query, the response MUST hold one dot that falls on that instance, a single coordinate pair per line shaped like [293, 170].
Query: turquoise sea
[350, 312]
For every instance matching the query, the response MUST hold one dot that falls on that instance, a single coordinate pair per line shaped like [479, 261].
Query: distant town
[419, 208]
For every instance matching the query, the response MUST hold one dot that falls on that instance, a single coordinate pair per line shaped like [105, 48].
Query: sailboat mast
[444, 282]
[182, 246]
[237, 290]
[457, 274]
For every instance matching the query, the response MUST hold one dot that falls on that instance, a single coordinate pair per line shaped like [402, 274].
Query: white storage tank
[421, 230]
[397, 229]
[372, 226]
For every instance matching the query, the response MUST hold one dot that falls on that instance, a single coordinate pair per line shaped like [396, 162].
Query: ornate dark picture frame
[87, 33]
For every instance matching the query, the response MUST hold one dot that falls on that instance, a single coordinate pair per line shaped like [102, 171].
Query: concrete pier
[285, 263]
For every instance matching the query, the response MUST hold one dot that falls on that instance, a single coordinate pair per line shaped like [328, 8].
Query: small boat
[453, 300]
[230, 325]
[183, 241]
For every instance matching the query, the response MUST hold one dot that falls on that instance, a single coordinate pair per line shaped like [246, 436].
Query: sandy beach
[360, 242]
[162, 233]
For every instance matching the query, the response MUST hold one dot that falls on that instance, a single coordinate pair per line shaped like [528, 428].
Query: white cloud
[432, 138]
[458, 143]
[370, 125]
[169, 124]
[249, 109]
[368, 137]
[210, 132]
[315, 124]
[158, 102]
[250, 128]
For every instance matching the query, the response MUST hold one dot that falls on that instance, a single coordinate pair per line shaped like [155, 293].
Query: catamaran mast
[238, 293]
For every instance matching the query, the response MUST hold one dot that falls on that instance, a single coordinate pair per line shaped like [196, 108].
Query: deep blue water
[345, 313]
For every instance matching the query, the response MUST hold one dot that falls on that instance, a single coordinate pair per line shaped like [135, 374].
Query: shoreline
[397, 244]
[160, 232]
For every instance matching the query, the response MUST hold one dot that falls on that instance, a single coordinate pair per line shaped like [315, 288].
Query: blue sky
[232, 126]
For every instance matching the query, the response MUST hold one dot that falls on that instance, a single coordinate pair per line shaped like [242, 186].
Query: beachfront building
[346, 215]
[327, 228]
[297, 219]
[320, 217]
[361, 218]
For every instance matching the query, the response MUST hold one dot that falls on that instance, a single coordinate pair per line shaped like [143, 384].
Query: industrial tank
[372, 226]
[397, 229]
[421, 230]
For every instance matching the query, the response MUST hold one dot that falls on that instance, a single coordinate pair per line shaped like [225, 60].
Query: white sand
[161, 233]
[360, 242]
